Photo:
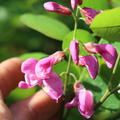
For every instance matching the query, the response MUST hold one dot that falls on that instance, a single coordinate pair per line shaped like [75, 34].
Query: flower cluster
[107, 51]
[41, 73]
[89, 13]
[83, 100]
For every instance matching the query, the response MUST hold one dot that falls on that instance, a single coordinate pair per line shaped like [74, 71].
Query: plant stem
[110, 91]
[113, 72]
[69, 60]
[106, 95]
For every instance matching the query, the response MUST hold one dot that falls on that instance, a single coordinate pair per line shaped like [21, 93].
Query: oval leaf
[45, 25]
[107, 25]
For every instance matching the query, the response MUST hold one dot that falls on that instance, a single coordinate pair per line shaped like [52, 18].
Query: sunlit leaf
[107, 25]
[46, 25]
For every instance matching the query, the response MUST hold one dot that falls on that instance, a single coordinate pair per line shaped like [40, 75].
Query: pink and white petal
[72, 104]
[43, 68]
[86, 104]
[91, 47]
[109, 54]
[53, 86]
[89, 104]
[28, 66]
[74, 51]
[31, 79]
[91, 64]
[24, 85]
[57, 8]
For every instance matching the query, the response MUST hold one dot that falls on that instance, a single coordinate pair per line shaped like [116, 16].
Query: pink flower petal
[57, 8]
[109, 54]
[86, 103]
[72, 104]
[107, 51]
[74, 3]
[74, 51]
[44, 67]
[28, 66]
[91, 64]
[23, 85]
[89, 14]
[54, 86]
[57, 57]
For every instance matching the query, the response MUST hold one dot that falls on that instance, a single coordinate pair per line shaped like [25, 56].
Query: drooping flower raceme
[89, 61]
[74, 3]
[57, 8]
[107, 51]
[41, 73]
[89, 14]
[83, 100]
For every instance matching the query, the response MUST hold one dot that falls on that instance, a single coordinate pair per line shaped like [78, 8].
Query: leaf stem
[69, 60]
[113, 72]
[109, 91]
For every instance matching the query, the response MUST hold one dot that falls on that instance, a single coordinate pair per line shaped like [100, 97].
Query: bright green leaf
[107, 25]
[96, 4]
[46, 25]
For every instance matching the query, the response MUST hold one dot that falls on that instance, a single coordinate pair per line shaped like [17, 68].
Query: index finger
[10, 75]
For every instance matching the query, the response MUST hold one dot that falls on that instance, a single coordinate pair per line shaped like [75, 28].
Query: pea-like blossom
[74, 51]
[41, 73]
[107, 51]
[89, 61]
[89, 14]
[91, 64]
[74, 3]
[83, 100]
[57, 8]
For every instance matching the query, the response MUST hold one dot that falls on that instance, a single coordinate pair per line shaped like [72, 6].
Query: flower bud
[91, 64]
[74, 3]
[57, 8]
[89, 14]
[58, 56]
[74, 51]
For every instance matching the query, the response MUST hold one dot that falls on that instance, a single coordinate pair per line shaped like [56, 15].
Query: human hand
[37, 107]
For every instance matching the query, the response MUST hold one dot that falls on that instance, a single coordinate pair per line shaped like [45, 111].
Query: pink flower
[89, 61]
[83, 100]
[89, 14]
[57, 8]
[74, 51]
[91, 64]
[74, 3]
[107, 51]
[41, 73]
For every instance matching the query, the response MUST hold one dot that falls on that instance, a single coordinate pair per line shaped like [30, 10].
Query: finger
[38, 107]
[10, 75]
[5, 114]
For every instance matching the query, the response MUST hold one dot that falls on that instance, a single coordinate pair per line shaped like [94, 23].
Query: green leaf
[81, 35]
[107, 25]
[98, 87]
[96, 4]
[46, 25]
[37, 55]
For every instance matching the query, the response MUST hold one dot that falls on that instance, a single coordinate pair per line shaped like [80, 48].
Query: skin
[37, 107]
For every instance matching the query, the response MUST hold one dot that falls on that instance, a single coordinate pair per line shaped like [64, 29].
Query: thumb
[5, 113]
